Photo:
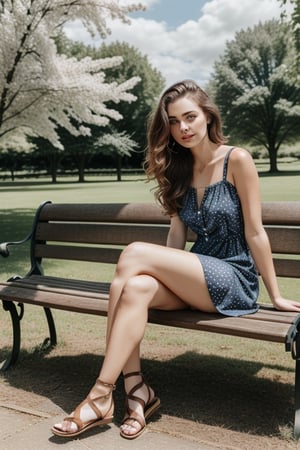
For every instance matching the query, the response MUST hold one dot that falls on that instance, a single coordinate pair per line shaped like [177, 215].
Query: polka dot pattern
[221, 246]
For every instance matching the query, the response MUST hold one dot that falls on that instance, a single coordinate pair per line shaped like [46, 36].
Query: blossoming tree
[40, 89]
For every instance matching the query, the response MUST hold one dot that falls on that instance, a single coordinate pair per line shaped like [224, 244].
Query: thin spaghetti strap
[226, 163]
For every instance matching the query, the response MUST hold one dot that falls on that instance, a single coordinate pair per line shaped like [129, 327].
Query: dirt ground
[205, 399]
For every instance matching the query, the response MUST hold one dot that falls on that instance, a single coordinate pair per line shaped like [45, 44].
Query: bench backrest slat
[97, 232]
[287, 267]
[78, 253]
[105, 212]
[115, 234]
[284, 240]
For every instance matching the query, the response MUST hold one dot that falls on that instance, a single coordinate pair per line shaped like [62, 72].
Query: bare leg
[147, 276]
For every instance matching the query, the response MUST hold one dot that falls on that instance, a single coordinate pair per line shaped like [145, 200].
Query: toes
[69, 427]
[131, 429]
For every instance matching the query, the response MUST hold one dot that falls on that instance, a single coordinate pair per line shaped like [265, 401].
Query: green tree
[117, 145]
[295, 24]
[257, 91]
[48, 153]
[135, 115]
[40, 89]
[132, 126]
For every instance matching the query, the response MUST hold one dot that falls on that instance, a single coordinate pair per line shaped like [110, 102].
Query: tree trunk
[81, 167]
[53, 165]
[273, 159]
[119, 167]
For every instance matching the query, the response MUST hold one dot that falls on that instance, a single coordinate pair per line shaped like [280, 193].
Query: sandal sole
[68, 434]
[149, 411]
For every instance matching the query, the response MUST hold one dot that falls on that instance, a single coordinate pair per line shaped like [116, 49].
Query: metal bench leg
[52, 340]
[297, 400]
[15, 319]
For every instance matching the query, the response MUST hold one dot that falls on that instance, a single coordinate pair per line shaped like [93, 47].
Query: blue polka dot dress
[221, 246]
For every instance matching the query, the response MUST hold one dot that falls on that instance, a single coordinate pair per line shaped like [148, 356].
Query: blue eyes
[188, 118]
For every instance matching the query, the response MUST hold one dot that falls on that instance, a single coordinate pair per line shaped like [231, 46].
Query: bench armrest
[4, 250]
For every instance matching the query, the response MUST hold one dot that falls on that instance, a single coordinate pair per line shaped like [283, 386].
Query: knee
[135, 250]
[134, 253]
[139, 288]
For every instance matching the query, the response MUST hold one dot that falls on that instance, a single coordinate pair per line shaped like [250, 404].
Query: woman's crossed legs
[147, 276]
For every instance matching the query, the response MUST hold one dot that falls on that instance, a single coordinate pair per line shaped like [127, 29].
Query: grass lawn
[241, 372]
[134, 188]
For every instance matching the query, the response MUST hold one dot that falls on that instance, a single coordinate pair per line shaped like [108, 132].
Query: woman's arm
[177, 233]
[243, 172]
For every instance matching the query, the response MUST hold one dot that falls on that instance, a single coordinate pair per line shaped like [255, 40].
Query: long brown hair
[170, 164]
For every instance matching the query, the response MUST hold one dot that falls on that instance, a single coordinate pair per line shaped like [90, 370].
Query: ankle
[102, 389]
[133, 379]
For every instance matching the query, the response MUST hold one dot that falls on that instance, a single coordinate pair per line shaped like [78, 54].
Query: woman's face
[188, 123]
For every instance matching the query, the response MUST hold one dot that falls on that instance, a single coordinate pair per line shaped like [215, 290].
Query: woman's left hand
[283, 304]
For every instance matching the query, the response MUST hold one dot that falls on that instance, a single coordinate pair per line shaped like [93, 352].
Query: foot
[96, 409]
[140, 404]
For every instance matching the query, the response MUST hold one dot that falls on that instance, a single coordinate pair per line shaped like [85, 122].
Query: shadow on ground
[211, 390]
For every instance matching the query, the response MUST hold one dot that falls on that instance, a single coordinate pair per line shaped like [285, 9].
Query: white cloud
[190, 50]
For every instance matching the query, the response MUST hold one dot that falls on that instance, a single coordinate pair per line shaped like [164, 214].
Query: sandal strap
[130, 395]
[75, 420]
[130, 414]
[112, 386]
[133, 374]
[92, 403]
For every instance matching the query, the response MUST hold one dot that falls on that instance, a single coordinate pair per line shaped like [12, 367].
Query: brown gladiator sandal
[149, 408]
[104, 415]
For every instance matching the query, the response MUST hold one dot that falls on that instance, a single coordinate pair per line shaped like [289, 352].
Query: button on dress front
[221, 246]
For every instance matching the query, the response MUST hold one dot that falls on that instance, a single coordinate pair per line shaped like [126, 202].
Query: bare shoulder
[240, 156]
[241, 160]
[241, 167]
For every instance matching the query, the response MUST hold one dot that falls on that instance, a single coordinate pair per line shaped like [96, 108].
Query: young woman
[212, 188]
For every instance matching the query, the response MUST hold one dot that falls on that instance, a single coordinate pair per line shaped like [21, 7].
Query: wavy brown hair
[170, 164]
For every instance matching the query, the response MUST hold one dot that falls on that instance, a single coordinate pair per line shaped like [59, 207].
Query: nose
[183, 126]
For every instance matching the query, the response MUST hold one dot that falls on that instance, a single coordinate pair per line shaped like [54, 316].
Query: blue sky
[173, 12]
[184, 38]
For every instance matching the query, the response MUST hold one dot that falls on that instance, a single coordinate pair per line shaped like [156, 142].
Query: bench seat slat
[263, 330]
[233, 326]
[57, 298]
[92, 298]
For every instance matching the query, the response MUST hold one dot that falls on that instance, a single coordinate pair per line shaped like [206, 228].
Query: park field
[223, 390]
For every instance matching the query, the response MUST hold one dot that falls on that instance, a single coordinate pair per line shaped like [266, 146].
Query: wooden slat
[289, 268]
[101, 233]
[273, 213]
[89, 288]
[284, 267]
[78, 253]
[68, 301]
[234, 326]
[284, 240]
[105, 212]
[65, 283]
[56, 299]
[281, 213]
[92, 298]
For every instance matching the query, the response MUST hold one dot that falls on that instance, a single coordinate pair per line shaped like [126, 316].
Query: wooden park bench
[97, 232]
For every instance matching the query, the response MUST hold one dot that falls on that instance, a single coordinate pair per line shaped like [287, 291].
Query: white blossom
[40, 89]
